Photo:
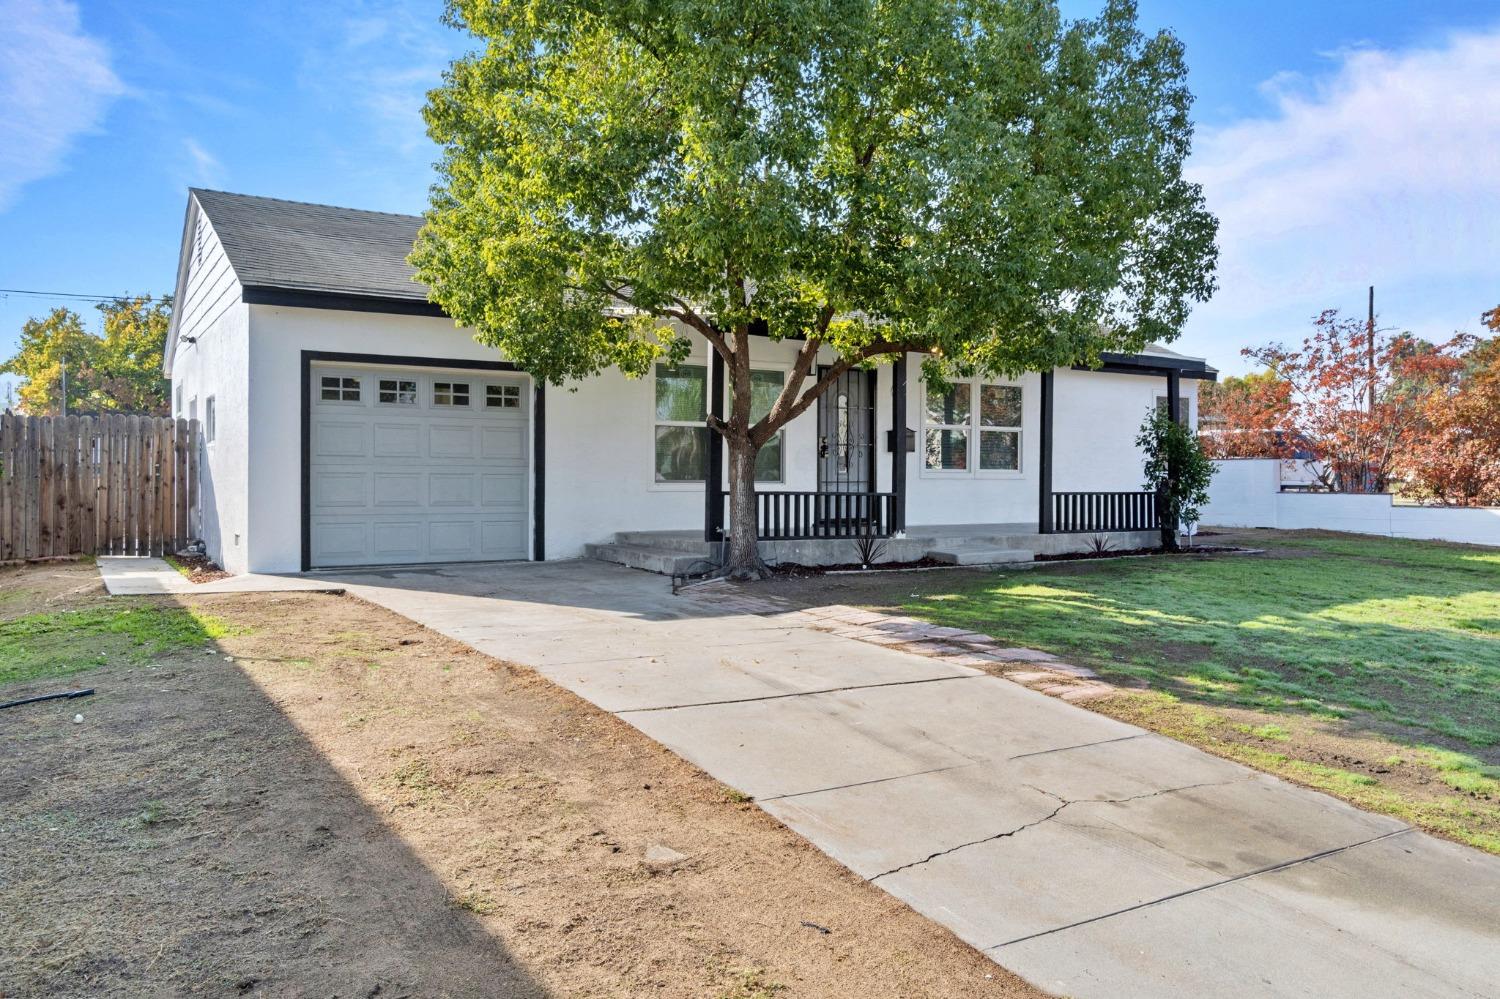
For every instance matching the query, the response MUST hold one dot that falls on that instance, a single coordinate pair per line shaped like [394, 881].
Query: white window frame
[509, 396]
[973, 429]
[676, 485]
[415, 402]
[781, 370]
[210, 420]
[1184, 400]
[359, 381]
[451, 381]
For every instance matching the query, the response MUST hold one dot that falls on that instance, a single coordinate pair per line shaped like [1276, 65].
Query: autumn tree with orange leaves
[1455, 457]
[1243, 417]
[1329, 381]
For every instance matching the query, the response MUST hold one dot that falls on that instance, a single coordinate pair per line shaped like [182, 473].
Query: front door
[846, 435]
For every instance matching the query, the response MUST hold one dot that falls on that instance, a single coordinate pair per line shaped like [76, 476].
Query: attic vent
[200, 236]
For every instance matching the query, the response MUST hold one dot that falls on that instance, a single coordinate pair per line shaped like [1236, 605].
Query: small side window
[397, 392]
[450, 393]
[210, 420]
[338, 389]
[502, 396]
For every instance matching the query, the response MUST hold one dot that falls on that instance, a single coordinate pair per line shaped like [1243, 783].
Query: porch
[964, 476]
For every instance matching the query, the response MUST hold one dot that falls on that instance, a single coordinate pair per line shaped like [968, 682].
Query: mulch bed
[199, 568]
[794, 570]
[1122, 552]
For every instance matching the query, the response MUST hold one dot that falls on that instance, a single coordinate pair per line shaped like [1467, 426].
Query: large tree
[119, 371]
[979, 181]
[1332, 379]
[1243, 416]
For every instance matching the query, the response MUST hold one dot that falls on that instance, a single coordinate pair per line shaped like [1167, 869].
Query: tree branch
[776, 419]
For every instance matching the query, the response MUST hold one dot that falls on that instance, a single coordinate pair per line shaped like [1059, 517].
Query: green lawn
[1369, 668]
[1405, 631]
[63, 642]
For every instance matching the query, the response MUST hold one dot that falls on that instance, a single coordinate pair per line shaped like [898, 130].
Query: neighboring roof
[294, 246]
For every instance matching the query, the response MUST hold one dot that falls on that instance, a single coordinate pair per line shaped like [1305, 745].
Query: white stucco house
[346, 421]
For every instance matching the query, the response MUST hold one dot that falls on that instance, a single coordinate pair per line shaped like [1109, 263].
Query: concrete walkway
[137, 576]
[1090, 856]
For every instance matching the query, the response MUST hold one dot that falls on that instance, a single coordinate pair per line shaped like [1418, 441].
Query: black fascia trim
[303, 299]
[539, 432]
[1147, 364]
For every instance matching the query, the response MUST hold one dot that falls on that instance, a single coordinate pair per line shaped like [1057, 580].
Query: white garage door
[417, 465]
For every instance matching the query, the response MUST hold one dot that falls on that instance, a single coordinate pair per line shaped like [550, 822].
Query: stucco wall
[1096, 419]
[1246, 493]
[599, 468]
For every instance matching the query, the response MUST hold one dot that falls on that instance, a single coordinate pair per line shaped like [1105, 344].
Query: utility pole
[1370, 348]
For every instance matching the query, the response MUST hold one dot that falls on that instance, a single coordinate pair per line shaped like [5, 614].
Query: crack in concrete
[797, 693]
[1081, 745]
[1269, 869]
[863, 783]
[1063, 803]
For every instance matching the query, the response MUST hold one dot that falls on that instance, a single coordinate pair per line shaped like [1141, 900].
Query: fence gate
[104, 485]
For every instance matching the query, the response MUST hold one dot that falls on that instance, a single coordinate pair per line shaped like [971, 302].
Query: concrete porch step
[687, 542]
[667, 561]
[980, 555]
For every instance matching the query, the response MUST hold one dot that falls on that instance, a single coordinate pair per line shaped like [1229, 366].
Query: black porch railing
[1081, 513]
[801, 516]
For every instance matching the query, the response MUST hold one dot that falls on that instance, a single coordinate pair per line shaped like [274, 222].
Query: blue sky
[1342, 143]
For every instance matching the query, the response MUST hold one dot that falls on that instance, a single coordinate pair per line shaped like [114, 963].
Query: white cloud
[205, 170]
[1384, 171]
[55, 84]
[383, 57]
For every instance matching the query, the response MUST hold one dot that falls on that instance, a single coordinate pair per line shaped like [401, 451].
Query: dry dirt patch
[338, 802]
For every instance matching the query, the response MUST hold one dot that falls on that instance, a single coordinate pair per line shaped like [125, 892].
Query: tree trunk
[742, 558]
[1167, 515]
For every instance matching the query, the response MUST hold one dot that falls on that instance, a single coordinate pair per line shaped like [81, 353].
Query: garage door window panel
[450, 393]
[397, 392]
[339, 388]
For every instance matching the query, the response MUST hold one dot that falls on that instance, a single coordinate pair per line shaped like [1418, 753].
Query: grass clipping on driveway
[1369, 668]
[301, 794]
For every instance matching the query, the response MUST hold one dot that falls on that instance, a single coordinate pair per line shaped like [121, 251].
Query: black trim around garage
[303, 299]
[538, 433]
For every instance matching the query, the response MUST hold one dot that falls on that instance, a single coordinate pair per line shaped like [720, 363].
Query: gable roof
[308, 249]
[299, 253]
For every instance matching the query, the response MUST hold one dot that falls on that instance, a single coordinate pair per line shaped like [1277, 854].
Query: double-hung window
[1182, 408]
[681, 426]
[972, 426]
[765, 389]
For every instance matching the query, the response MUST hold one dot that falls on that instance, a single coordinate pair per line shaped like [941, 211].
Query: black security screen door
[846, 435]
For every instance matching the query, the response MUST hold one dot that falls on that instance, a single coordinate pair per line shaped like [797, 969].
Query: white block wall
[1246, 493]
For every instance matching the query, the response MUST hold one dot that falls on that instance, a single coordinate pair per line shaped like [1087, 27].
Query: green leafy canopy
[981, 181]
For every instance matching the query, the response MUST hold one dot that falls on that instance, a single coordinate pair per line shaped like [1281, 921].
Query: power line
[63, 294]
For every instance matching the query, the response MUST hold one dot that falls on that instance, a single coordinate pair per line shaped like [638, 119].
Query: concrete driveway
[1089, 856]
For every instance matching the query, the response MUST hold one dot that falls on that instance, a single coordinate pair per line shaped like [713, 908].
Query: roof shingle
[298, 246]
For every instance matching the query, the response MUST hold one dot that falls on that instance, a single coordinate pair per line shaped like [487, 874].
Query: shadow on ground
[141, 858]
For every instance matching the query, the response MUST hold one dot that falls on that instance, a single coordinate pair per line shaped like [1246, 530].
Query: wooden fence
[103, 485]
